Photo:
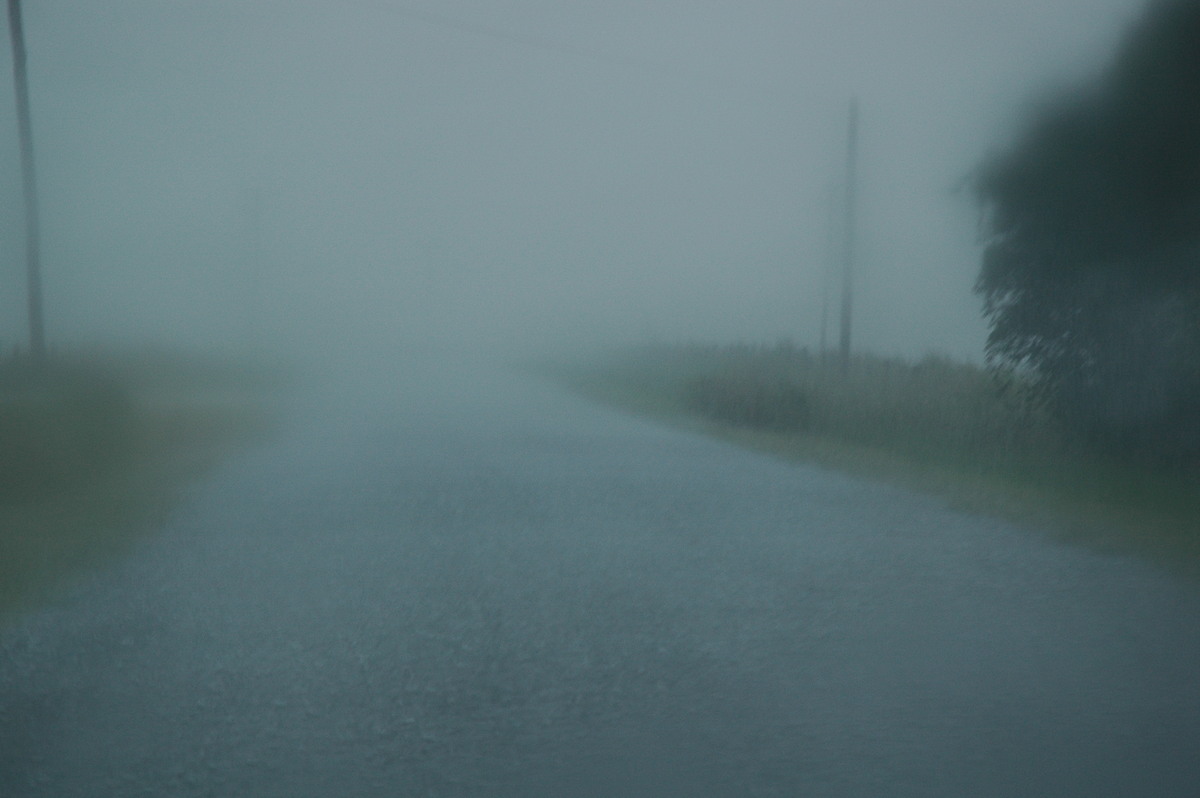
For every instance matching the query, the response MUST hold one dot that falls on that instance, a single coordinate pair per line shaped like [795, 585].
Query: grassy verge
[933, 425]
[93, 450]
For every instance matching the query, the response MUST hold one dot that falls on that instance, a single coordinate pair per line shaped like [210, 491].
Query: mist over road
[447, 584]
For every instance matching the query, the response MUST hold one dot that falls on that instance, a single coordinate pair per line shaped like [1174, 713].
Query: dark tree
[1091, 268]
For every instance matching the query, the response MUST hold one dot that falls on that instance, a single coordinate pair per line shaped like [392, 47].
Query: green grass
[94, 450]
[932, 425]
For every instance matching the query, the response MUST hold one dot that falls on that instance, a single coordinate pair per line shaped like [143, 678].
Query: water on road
[495, 589]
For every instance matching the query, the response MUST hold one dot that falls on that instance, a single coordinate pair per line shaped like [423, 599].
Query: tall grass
[93, 450]
[932, 424]
[60, 427]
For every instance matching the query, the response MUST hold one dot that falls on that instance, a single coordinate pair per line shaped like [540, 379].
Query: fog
[367, 175]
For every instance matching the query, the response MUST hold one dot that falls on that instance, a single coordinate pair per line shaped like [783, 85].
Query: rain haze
[321, 177]
[346, 472]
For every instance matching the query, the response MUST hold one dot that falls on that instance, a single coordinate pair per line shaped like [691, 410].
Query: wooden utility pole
[37, 332]
[848, 252]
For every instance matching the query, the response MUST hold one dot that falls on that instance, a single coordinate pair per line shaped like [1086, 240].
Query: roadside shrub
[774, 404]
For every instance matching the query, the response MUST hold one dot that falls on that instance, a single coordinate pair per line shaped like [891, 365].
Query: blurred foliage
[1091, 268]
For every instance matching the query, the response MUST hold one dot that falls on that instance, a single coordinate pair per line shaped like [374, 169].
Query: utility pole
[848, 252]
[37, 333]
[829, 260]
[835, 201]
[823, 349]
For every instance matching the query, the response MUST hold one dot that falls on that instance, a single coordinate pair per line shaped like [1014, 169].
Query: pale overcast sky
[521, 173]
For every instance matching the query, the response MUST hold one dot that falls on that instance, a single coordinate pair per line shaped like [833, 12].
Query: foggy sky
[429, 175]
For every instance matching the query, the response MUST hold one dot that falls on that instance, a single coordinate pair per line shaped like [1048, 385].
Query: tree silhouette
[1091, 268]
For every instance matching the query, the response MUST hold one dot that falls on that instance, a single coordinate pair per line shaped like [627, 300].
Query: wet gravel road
[500, 590]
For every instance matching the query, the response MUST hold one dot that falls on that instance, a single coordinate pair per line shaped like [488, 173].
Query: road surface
[449, 585]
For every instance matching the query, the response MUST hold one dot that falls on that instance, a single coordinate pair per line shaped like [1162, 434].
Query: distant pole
[37, 333]
[829, 262]
[824, 344]
[848, 262]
